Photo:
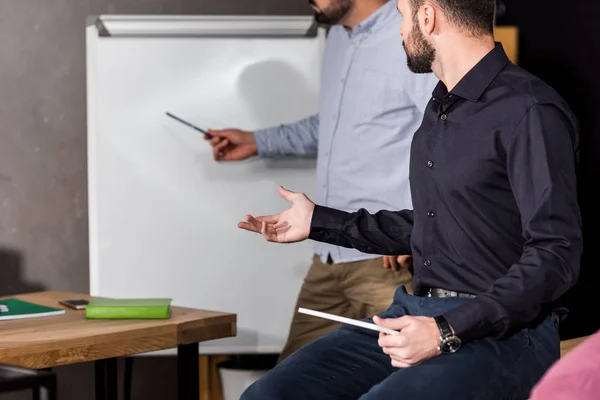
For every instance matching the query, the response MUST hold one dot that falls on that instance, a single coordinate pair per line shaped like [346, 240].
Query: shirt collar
[477, 80]
[376, 20]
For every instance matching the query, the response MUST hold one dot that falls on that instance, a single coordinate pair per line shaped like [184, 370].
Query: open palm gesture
[292, 225]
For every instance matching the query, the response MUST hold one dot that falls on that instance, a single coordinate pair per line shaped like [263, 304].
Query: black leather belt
[436, 292]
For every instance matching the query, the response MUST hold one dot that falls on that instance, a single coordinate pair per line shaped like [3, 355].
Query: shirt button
[444, 117]
[431, 214]
[427, 263]
[334, 116]
[326, 153]
[324, 185]
[430, 164]
[342, 80]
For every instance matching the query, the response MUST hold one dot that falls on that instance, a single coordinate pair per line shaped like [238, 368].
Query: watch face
[450, 345]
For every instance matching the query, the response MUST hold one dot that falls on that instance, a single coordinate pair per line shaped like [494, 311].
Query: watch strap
[444, 327]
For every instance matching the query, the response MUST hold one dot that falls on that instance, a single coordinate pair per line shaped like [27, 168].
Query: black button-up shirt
[493, 181]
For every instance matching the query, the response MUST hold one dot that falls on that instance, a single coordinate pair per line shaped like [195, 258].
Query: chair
[567, 345]
[14, 379]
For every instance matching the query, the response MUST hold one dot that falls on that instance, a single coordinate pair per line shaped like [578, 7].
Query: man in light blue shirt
[370, 105]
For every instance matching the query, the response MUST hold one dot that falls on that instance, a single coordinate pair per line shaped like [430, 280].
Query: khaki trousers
[354, 290]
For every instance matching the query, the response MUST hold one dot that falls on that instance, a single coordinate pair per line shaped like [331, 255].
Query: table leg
[128, 378]
[188, 372]
[106, 379]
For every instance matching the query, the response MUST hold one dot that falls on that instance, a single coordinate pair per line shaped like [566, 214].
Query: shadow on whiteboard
[266, 93]
[263, 84]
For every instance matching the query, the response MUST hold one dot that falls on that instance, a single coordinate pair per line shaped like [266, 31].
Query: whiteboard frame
[204, 25]
[113, 26]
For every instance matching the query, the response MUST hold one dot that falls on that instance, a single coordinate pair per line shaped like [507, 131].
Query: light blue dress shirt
[370, 105]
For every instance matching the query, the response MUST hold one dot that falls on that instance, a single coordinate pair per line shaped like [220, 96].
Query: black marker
[208, 135]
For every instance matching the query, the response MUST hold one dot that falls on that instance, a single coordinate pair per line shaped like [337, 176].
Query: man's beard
[421, 61]
[333, 14]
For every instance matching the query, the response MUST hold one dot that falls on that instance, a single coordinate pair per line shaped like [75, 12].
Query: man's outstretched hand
[292, 225]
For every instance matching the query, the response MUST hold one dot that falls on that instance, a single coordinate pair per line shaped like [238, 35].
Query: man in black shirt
[495, 233]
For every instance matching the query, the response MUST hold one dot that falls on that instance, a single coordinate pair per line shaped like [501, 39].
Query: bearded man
[494, 232]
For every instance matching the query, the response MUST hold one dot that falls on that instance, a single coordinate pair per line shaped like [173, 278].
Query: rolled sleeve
[299, 139]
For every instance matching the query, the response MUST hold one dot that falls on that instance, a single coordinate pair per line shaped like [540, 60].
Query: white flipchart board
[163, 213]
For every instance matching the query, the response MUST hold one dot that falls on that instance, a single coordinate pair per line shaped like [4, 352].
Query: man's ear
[428, 18]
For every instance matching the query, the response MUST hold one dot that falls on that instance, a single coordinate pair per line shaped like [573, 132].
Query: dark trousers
[348, 364]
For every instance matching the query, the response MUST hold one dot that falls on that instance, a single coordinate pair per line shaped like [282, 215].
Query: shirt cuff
[325, 220]
[263, 139]
[471, 321]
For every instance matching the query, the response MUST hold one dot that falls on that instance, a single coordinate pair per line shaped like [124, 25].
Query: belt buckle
[429, 293]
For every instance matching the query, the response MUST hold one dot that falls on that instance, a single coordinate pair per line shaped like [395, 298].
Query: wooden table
[42, 343]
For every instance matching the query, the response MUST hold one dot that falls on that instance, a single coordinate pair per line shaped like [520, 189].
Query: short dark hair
[477, 16]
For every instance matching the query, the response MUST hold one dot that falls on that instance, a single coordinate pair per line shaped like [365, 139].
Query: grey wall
[43, 176]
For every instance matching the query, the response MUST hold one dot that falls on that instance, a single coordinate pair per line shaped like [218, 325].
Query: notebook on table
[18, 309]
[128, 309]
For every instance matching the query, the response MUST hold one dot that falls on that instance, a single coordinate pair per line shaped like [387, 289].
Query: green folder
[128, 309]
[18, 309]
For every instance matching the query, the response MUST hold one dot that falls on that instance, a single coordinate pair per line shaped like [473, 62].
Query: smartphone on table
[76, 304]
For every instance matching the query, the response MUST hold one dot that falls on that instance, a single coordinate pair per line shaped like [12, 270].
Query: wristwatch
[450, 342]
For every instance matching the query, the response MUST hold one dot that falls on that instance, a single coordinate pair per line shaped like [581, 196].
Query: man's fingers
[219, 150]
[220, 133]
[263, 225]
[214, 135]
[405, 361]
[258, 221]
[251, 224]
[400, 364]
[221, 144]
[270, 219]
[393, 263]
[398, 352]
[268, 233]
[392, 341]
[386, 263]
[247, 226]
[286, 194]
[393, 323]
[215, 140]
[388, 350]
[404, 261]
